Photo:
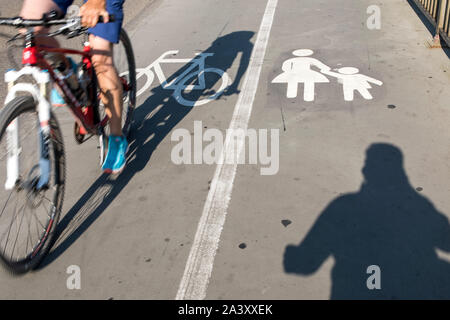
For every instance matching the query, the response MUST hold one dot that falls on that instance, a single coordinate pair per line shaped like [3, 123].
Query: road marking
[199, 266]
[298, 70]
[197, 69]
[352, 81]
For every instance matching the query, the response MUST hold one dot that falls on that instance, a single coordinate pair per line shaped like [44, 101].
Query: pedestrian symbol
[299, 70]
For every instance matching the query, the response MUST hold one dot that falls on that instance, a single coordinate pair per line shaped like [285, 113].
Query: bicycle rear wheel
[28, 214]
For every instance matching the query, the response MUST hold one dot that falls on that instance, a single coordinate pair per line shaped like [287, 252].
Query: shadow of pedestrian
[388, 224]
[153, 121]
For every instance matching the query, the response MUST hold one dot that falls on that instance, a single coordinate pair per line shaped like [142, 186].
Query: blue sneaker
[55, 96]
[116, 158]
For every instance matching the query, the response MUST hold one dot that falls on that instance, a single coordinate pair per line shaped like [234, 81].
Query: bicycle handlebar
[19, 22]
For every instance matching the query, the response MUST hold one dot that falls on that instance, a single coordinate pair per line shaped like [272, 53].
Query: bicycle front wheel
[29, 213]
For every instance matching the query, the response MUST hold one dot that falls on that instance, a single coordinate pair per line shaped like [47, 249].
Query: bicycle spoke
[51, 203]
[37, 219]
[18, 232]
[37, 226]
[9, 230]
[6, 202]
[29, 239]
[10, 226]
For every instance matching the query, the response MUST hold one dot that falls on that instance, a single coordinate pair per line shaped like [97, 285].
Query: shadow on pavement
[153, 121]
[388, 224]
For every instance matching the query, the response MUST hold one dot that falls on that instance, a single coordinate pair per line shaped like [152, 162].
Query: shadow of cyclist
[388, 224]
[153, 120]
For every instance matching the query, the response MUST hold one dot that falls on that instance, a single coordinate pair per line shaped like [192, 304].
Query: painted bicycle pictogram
[181, 84]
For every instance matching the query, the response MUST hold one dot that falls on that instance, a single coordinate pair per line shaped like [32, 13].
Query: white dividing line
[199, 266]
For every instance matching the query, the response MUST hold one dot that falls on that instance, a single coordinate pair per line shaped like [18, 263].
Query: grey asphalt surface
[131, 235]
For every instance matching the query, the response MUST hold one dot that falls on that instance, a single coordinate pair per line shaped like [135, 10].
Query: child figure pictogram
[352, 81]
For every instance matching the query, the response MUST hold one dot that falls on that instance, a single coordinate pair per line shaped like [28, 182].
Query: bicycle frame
[45, 76]
[84, 119]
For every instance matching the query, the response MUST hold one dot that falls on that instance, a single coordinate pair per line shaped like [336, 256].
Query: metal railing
[438, 11]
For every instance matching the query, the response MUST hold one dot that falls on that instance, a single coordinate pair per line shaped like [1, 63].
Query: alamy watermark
[74, 280]
[374, 280]
[374, 20]
[228, 149]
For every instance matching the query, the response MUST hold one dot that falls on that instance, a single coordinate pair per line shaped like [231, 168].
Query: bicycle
[179, 83]
[33, 191]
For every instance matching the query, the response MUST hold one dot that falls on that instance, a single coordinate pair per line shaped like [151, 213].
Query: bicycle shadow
[153, 120]
[386, 223]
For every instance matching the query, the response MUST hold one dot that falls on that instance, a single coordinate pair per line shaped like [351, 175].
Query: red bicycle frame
[84, 115]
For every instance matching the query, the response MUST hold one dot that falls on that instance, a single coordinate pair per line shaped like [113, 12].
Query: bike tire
[131, 99]
[30, 259]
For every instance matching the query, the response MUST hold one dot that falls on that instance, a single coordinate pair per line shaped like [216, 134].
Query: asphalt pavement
[358, 180]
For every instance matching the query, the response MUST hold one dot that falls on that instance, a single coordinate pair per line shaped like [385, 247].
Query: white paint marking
[298, 70]
[352, 81]
[199, 266]
[196, 69]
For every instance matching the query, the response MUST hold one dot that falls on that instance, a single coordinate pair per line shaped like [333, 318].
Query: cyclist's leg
[111, 95]
[108, 80]
[102, 37]
[101, 40]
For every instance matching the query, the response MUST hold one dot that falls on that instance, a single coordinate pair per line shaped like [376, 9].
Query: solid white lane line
[199, 266]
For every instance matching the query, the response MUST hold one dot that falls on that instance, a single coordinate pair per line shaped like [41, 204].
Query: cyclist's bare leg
[109, 82]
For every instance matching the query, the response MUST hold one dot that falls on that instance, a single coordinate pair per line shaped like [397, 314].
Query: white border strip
[199, 266]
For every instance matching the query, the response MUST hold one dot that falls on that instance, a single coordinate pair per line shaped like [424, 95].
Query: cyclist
[101, 38]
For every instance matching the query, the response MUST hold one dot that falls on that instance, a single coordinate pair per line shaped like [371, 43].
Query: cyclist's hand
[91, 11]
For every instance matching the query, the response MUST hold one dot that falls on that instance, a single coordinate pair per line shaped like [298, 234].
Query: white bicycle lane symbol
[179, 84]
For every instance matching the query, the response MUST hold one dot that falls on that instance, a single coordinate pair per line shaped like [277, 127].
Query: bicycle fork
[39, 92]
